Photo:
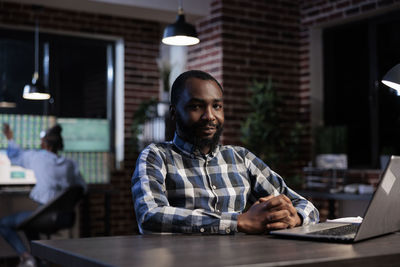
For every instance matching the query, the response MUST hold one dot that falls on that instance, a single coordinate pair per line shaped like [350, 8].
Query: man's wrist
[240, 223]
[299, 219]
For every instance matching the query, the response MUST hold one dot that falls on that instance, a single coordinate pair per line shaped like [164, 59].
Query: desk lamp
[180, 33]
[392, 78]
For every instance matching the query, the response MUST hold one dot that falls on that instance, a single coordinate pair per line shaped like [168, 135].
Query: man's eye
[217, 106]
[194, 107]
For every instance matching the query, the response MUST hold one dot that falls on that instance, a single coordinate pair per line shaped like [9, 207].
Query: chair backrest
[56, 215]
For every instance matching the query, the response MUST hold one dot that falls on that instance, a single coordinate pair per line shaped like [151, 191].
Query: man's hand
[282, 213]
[7, 131]
[269, 213]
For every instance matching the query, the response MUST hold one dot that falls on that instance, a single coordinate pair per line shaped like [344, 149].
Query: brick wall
[142, 39]
[246, 40]
[252, 40]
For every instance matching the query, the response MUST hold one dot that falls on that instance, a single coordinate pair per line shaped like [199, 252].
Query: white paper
[357, 219]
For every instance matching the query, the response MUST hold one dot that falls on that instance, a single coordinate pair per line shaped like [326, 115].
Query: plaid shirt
[176, 189]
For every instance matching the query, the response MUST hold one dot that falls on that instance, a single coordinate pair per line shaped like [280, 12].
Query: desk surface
[235, 250]
[15, 189]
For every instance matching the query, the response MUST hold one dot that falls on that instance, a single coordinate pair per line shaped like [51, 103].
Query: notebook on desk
[381, 217]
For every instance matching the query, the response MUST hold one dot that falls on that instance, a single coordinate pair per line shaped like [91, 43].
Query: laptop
[381, 217]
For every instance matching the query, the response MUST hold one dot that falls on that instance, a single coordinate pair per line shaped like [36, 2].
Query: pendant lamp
[7, 104]
[180, 33]
[392, 78]
[35, 89]
[6, 100]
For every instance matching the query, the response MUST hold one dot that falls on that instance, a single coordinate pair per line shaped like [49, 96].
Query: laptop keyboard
[338, 231]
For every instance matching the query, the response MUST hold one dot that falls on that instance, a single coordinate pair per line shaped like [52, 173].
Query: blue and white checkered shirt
[176, 189]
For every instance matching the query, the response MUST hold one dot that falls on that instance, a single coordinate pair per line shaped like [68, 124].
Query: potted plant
[262, 131]
[147, 110]
[164, 67]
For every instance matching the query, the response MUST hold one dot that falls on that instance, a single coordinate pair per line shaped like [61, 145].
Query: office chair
[56, 215]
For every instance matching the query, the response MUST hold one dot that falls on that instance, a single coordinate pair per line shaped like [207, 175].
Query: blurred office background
[102, 62]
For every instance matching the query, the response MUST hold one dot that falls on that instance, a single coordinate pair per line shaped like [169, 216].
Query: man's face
[199, 113]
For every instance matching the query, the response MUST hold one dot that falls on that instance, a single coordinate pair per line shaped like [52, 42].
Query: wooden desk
[235, 250]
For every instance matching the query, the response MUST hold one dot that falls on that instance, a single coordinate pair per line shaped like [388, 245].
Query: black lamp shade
[180, 33]
[35, 90]
[392, 78]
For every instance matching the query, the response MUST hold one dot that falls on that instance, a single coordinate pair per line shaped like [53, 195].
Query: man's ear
[172, 112]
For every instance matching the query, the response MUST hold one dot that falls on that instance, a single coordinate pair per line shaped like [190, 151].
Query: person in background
[194, 185]
[53, 174]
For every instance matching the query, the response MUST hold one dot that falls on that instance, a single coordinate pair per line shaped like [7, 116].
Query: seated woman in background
[53, 174]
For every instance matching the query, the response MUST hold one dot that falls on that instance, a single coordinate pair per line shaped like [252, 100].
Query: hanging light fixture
[6, 99]
[7, 104]
[35, 89]
[180, 33]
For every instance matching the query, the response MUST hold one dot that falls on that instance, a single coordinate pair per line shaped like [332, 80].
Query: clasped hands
[269, 213]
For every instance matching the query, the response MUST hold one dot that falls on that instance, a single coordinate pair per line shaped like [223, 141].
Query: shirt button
[214, 187]
[202, 230]
[227, 230]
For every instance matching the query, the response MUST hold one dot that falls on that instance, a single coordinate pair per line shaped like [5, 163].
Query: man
[194, 185]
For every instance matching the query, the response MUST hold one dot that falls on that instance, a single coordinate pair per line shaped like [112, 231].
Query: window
[76, 73]
[356, 56]
[80, 74]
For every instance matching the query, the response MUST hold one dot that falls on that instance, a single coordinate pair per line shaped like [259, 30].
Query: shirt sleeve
[18, 156]
[153, 211]
[267, 182]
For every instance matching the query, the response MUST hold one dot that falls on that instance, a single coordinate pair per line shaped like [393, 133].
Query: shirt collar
[190, 149]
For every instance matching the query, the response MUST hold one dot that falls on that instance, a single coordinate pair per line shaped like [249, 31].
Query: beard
[190, 133]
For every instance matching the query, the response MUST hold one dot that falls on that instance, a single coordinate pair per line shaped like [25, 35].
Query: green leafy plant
[262, 131]
[164, 68]
[146, 110]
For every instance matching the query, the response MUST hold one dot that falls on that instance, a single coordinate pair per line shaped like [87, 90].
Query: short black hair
[179, 84]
